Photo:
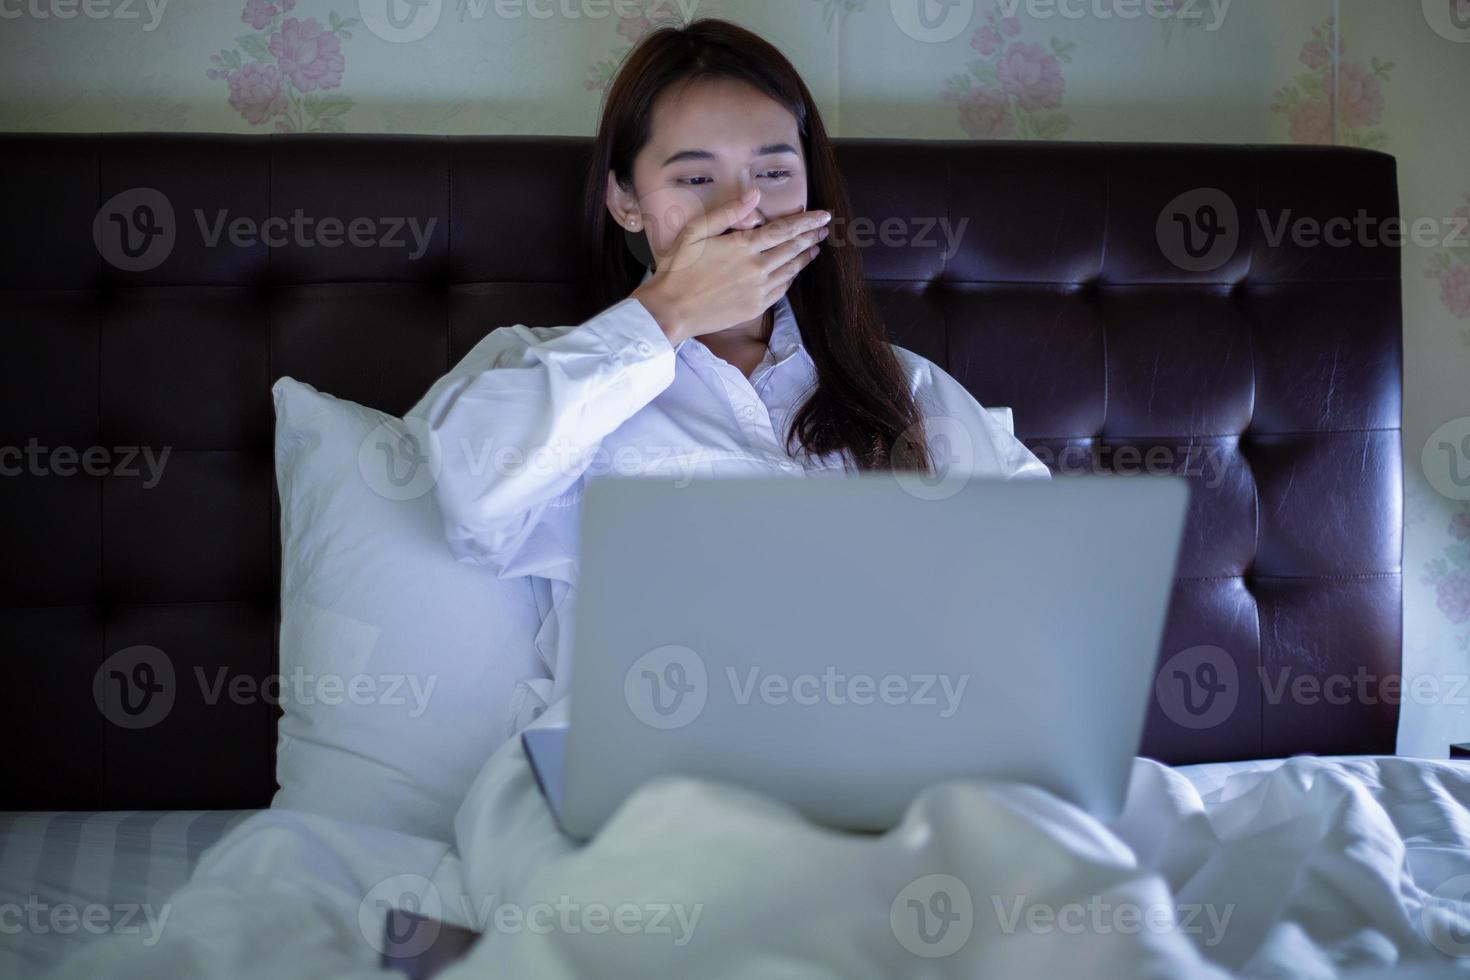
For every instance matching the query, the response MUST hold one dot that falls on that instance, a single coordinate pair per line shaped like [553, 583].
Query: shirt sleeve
[515, 425]
[961, 433]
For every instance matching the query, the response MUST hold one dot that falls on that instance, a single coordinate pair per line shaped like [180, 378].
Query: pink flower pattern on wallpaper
[1449, 576]
[260, 13]
[1014, 88]
[1307, 103]
[255, 93]
[647, 17]
[309, 54]
[276, 74]
[1450, 267]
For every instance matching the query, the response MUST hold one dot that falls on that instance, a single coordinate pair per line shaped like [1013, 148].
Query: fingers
[775, 233]
[781, 278]
[776, 257]
[712, 224]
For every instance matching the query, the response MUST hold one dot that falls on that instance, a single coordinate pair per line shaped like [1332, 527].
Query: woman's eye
[699, 181]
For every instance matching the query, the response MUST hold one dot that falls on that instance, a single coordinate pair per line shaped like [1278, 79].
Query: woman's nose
[752, 220]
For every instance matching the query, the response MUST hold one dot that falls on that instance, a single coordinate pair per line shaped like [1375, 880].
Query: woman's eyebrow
[770, 149]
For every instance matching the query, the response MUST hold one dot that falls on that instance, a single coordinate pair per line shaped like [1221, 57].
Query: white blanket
[1305, 871]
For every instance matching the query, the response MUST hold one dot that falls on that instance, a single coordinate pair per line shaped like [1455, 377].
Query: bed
[1270, 372]
[128, 863]
[123, 863]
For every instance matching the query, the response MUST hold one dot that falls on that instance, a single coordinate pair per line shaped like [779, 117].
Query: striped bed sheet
[67, 877]
[120, 867]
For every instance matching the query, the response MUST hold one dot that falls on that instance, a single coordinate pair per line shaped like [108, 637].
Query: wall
[1389, 74]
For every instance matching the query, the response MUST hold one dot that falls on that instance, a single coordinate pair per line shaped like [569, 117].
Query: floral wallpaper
[1011, 89]
[1450, 268]
[281, 73]
[633, 23]
[1348, 114]
[1380, 74]
[1449, 575]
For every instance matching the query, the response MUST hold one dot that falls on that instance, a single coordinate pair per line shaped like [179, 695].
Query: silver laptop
[842, 643]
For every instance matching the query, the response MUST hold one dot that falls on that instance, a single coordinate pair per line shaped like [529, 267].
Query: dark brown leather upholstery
[1060, 303]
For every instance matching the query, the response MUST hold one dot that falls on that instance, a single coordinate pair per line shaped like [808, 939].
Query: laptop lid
[842, 643]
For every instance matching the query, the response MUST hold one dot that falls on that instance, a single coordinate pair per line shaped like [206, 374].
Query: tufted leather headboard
[1271, 374]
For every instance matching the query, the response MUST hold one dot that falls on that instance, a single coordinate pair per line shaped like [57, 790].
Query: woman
[711, 158]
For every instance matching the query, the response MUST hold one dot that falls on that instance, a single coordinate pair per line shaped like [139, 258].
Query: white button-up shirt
[531, 413]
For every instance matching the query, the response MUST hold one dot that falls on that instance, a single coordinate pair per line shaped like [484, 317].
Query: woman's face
[710, 141]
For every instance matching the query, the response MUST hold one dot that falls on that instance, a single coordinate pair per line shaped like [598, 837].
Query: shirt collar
[785, 340]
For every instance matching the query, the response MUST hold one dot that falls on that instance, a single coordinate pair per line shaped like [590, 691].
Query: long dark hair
[862, 403]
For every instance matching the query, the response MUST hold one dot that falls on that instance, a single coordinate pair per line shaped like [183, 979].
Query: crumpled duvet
[1312, 869]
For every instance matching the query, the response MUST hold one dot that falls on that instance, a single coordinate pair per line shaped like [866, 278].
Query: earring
[633, 222]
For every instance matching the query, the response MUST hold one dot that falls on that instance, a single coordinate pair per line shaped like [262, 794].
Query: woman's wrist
[663, 311]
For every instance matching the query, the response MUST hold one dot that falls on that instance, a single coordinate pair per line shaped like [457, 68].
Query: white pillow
[402, 669]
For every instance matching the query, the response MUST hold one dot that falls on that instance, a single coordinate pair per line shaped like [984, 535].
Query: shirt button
[748, 412]
[644, 348]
